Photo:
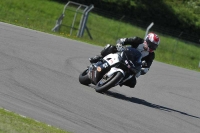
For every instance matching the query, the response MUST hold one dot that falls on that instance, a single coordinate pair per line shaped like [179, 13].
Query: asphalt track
[39, 79]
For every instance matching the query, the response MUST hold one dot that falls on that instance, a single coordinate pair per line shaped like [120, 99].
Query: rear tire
[109, 83]
[83, 78]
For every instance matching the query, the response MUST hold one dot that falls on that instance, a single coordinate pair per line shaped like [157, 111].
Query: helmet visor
[151, 45]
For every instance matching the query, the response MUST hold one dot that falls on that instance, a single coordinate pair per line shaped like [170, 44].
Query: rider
[145, 46]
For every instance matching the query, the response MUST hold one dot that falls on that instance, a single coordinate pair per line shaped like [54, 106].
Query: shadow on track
[145, 103]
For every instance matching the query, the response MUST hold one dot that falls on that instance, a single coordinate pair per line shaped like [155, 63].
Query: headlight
[99, 69]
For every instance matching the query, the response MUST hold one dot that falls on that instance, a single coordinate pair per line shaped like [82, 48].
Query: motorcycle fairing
[112, 59]
[97, 71]
[114, 70]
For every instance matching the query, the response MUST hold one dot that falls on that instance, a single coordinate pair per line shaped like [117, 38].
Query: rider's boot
[95, 59]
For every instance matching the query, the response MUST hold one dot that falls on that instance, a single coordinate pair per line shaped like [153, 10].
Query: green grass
[13, 123]
[42, 14]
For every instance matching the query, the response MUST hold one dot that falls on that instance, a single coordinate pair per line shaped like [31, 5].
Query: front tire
[83, 78]
[105, 84]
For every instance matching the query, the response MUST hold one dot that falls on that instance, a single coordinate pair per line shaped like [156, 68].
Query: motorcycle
[109, 72]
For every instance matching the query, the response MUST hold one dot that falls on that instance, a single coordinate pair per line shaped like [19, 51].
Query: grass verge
[14, 123]
[42, 14]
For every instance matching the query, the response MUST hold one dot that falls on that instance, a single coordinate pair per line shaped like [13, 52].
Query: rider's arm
[133, 41]
[148, 59]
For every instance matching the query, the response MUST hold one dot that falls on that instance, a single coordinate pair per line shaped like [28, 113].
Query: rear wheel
[106, 83]
[83, 78]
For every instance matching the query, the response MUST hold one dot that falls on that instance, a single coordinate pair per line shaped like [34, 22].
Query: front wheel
[83, 78]
[106, 83]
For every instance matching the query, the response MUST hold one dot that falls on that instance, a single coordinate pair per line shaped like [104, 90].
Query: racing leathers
[147, 55]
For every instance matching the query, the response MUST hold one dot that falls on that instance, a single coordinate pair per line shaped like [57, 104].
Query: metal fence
[78, 9]
[108, 30]
[106, 27]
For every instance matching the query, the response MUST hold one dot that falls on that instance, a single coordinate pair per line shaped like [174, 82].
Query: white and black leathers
[138, 43]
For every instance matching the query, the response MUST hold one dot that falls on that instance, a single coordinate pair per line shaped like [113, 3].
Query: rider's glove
[119, 47]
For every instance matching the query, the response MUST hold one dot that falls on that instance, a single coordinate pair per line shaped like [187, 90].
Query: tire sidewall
[118, 76]
[83, 78]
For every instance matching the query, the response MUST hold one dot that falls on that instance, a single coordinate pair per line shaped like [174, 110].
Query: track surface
[39, 79]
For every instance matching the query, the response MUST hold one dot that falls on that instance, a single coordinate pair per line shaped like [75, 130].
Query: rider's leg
[95, 58]
[107, 50]
[131, 82]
